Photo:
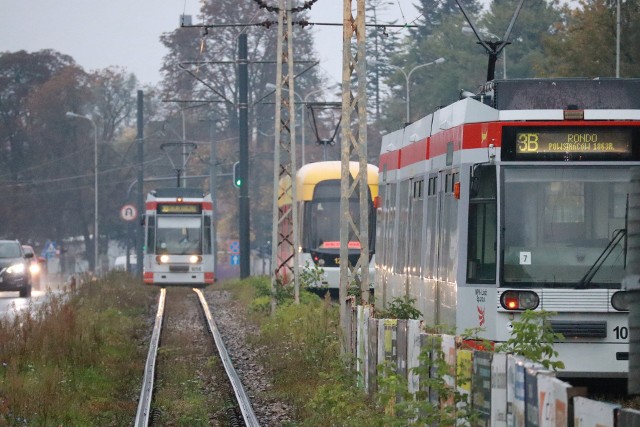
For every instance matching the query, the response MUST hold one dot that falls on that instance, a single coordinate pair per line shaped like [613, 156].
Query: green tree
[535, 20]
[382, 43]
[48, 158]
[20, 74]
[213, 78]
[439, 34]
[583, 44]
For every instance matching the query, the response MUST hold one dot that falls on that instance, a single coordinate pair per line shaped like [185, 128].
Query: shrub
[401, 308]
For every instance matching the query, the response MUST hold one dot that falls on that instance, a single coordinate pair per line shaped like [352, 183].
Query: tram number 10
[622, 332]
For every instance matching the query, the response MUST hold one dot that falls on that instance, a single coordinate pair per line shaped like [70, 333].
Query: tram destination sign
[179, 208]
[567, 143]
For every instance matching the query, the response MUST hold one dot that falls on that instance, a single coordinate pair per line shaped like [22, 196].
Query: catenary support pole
[284, 252]
[353, 145]
[243, 128]
[140, 230]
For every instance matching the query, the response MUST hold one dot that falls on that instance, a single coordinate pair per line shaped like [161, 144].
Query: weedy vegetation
[76, 359]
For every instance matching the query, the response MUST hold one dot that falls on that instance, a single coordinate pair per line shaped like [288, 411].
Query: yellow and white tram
[318, 195]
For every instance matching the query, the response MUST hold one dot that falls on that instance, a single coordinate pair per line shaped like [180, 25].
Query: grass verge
[78, 359]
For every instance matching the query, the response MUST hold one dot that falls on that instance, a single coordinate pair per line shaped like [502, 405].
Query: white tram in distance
[516, 199]
[318, 196]
[178, 235]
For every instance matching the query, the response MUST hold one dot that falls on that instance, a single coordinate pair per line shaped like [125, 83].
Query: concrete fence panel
[591, 413]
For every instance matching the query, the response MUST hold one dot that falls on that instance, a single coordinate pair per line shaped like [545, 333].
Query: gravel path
[229, 317]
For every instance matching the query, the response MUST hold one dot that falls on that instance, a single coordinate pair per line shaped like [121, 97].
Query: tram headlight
[519, 300]
[195, 259]
[620, 301]
[162, 259]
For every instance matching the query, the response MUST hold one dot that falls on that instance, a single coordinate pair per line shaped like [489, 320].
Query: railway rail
[242, 402]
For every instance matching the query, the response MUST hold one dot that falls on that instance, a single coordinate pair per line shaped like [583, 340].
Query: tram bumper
[591, 360]
[188, 278]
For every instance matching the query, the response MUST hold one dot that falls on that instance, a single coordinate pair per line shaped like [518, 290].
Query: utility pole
[141, 207]
[284, 252]
[213, 189]
[243, 129]
[354, 110]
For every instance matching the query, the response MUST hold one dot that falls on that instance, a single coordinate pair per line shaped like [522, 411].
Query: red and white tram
[178, 236]
[516, 199]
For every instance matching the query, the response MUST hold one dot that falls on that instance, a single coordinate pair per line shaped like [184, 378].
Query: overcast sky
[126, 33]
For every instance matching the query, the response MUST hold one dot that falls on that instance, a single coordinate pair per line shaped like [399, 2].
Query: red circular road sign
[128, 212]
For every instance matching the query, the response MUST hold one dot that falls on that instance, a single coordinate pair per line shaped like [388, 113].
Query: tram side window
[206, 241]
[448, 250]
[432, 223]
[481, 248]
[403, 229]
[415, 228]
[389, 224]
[380, 220]
[151, 234]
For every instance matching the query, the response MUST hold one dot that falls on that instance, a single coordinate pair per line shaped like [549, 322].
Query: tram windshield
[179, 235]
[564, 226]
[323, 231]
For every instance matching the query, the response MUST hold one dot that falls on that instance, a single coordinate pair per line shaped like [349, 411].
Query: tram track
[232, 402]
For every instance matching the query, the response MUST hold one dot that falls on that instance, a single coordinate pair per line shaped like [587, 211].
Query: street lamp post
[408, 83]
[95, 186]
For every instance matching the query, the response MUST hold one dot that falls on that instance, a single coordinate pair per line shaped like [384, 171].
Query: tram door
[447, 248]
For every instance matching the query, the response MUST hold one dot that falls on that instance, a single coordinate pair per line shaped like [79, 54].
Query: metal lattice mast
[285, 217]
[354, 115]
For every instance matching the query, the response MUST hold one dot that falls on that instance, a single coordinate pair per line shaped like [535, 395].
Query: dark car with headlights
[14, 268]
[36, 265]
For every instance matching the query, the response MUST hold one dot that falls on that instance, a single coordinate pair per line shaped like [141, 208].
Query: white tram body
[178, 238]
[318, 196]
[516, 199]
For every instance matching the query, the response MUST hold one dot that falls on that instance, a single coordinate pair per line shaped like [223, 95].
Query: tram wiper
[617, 236]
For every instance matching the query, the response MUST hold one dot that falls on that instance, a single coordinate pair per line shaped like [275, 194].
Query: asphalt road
[10, 302]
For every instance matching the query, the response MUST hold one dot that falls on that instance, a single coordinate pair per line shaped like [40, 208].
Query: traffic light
[237, 179]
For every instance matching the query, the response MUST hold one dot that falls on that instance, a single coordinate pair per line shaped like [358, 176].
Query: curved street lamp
[95, 186]
[407, 77]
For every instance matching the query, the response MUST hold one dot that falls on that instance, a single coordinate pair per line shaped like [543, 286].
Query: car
[14, 268]
[35, 265]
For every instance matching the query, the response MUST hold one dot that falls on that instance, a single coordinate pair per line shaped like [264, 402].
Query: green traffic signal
[237, 180]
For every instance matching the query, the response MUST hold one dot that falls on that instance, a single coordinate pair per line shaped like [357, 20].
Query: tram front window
[324, 229]
[564, 226]
[324, 224]
[179, 236]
